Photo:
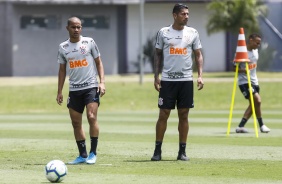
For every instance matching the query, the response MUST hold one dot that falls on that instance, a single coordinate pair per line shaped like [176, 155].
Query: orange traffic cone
[241, 51]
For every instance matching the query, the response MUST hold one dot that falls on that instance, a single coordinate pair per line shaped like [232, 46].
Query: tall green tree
[230, 15]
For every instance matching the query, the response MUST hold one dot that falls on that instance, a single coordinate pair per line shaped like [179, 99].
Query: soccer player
[81, 57]
[174, 47]
[252, 46]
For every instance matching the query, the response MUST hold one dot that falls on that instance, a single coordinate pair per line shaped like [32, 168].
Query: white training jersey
[242, 77]
[79, 58]
[177, 46]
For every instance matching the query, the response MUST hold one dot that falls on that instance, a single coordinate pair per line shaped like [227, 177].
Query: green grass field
[35, 130]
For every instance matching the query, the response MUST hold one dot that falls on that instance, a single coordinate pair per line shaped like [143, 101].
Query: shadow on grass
[231, 132]
[163, 160]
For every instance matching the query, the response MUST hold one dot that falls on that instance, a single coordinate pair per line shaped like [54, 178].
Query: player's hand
[200, 83]
[157, 84]
[59, 99]
[102, 89]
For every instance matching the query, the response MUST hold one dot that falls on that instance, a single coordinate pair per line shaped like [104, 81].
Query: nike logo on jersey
[75, 50]
[168, 38]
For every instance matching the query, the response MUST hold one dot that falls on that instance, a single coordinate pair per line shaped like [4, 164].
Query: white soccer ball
[56, 171]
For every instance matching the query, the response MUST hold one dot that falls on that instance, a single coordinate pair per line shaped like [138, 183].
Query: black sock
[158, 146]
[182, 147]
[94, 143]
[243, 122]
[260, 122]
[82, 148]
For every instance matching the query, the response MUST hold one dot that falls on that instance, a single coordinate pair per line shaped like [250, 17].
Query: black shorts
[245, 90]
[77, 100]
[179, 93]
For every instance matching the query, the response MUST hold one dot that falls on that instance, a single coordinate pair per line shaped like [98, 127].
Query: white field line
[138, 116]
[143, 114]
[192, 111]
[16, 118]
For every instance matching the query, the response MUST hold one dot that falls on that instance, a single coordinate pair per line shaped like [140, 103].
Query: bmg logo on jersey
[252, 66]
[78, 63]
[177, 51]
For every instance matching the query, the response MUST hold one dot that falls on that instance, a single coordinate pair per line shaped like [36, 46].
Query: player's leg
[166, 102]
[185, 101]
[79, 134]
[92, 101]
[161, 126]
[257, 104]
[76, 107]
[76, 119]
[92, 109]
[248, 112]
[183, 129]
[183, 125]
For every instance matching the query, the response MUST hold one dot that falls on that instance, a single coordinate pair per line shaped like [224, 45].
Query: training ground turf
[35, 130]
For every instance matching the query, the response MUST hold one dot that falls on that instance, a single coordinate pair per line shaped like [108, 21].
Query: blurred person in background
[253, 43]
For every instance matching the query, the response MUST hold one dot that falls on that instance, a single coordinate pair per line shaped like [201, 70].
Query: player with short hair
[81, 57]
[174, 47]
[253, 43]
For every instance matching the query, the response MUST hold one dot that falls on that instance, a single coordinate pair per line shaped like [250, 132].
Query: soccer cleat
[241, 130]
[91, 159]
[264, 129]
[182, 156]
[78, 160]
[157, 156]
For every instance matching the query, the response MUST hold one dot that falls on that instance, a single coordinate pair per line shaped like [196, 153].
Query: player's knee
[76, 125]
[91, 116]
[257, 100]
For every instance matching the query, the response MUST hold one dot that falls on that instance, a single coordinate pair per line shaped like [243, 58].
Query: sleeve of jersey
[94, 49]
[197, 42]
[60, 58]
[159, 40]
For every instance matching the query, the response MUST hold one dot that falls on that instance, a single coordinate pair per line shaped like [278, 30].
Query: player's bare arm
[61, 81]
[100, 69]
[158, 56]
[199, 61]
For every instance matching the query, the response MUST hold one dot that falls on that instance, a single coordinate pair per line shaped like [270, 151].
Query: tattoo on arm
[158, 58]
